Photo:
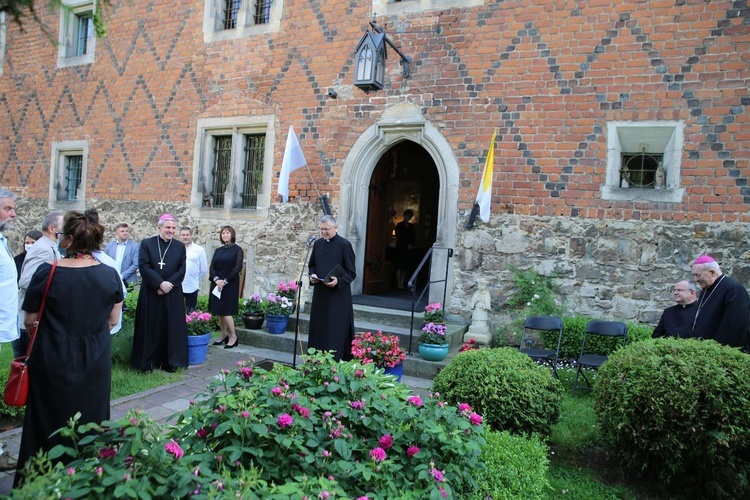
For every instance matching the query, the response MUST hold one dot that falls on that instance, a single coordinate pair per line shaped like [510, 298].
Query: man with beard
[160, 334]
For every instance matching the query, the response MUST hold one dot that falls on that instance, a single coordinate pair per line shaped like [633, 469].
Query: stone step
[414, 365]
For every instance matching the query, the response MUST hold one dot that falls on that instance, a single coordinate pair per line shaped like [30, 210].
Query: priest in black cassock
[331, 312]
[160, 335]
[723, 312]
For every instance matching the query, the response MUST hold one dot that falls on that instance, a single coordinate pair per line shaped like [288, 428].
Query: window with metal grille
[252, 172]
[221, 168]
[231, 12]
[640, 170]
[73, 171]
[262, 11]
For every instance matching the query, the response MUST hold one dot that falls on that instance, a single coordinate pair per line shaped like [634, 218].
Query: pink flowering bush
[277, 305]
[288, 290]
[381, 349]
[198, 323]
[323, 430]
[433, 313]
[433, 333]
[253, 306]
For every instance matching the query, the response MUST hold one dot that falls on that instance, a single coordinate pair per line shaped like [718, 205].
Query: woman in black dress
[70, 367]
[224, 272]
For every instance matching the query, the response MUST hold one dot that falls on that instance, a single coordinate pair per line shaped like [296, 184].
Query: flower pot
[198, 348]
[253, 321]
[276, 323]
[433, 352]
[397, 371]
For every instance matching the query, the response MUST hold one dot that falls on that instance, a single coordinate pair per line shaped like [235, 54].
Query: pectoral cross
[161, 264]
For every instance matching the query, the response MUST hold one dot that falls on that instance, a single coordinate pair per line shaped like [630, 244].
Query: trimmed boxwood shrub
[573, 328]
[678, 410]
[515, 467]
[505, 386]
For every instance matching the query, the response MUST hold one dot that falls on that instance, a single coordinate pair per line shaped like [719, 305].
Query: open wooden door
[374, 276]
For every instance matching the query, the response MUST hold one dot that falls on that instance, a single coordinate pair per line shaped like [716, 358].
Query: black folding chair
[609, 329]
[532, 342]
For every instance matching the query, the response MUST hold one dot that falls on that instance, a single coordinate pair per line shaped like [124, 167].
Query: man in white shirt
[8, 291]
[195, 270]
[44, 250]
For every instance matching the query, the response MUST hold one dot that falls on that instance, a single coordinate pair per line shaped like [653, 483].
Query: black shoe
[225, 340]
[231, 346]
[169, 369]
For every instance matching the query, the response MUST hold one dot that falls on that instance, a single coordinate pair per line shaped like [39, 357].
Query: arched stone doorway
[401, 127]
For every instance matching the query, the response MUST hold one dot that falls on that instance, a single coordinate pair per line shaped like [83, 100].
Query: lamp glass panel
[364, 64]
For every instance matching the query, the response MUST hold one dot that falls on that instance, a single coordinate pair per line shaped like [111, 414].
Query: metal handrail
[411, 285]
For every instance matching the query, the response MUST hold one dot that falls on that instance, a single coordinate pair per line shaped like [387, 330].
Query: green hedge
[678, 411]
[515, 467]
[506, 387]
[573, 328]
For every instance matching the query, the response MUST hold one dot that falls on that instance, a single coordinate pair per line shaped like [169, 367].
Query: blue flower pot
[276, 323]
[433, 352]
[397, 371]
[198, 348]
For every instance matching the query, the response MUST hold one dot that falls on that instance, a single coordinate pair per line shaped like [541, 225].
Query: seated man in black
[677, 321]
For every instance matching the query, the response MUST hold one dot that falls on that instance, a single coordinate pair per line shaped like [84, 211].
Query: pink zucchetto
[704, 259]
[166, 217]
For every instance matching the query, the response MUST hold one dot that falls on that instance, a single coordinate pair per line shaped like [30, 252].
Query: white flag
[293, 159]
[484, 196]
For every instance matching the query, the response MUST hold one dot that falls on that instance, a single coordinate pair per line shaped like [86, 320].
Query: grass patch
[580, 466]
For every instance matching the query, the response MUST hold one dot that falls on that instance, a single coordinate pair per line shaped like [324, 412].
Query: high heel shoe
[225, 340]
[231, 346]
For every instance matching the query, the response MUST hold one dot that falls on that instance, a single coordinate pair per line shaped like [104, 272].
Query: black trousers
[191, 300]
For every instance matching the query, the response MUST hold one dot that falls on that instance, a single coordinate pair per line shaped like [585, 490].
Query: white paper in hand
[216, 292]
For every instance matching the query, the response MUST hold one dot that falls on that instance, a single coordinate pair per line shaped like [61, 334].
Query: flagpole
[472, 216]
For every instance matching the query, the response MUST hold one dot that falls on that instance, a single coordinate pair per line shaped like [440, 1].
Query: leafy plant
[324, 430]
[277, 305]
[433, 313]
[505, 386]
[515, 467]
[198, 323]
[535, 293]
[253, 306]
[433, 334]
[381, 349]
[677, 410]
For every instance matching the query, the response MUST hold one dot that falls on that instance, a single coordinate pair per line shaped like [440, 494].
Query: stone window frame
[70, 13]
[245, 28]
[389, 7]
[57, 196]
[3, 31]
[660, 137]
[203, 160]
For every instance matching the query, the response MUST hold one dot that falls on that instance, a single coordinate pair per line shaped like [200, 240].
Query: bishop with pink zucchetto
[160, 332]
[723, 312]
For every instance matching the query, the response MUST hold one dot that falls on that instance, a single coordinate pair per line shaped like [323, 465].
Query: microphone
[312, 238]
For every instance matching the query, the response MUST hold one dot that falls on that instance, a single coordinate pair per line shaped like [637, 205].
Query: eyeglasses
[326, 229]
[681, 289]
[58, 234]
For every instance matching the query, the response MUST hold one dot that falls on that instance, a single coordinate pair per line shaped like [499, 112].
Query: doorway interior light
[370, 56]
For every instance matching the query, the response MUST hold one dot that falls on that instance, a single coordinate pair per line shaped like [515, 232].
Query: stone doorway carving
[400, 123]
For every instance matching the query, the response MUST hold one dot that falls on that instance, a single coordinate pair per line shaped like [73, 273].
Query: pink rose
[386, 441]
[464, 407]
[414, 400]
[285, 420]
[174, 448]
[377, 454]
[475, 418]
[411, 451]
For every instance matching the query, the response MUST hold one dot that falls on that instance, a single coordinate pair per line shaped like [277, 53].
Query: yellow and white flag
[293, 159]
[484, 196]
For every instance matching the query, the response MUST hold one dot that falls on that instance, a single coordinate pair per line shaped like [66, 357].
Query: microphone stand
[299, 299]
